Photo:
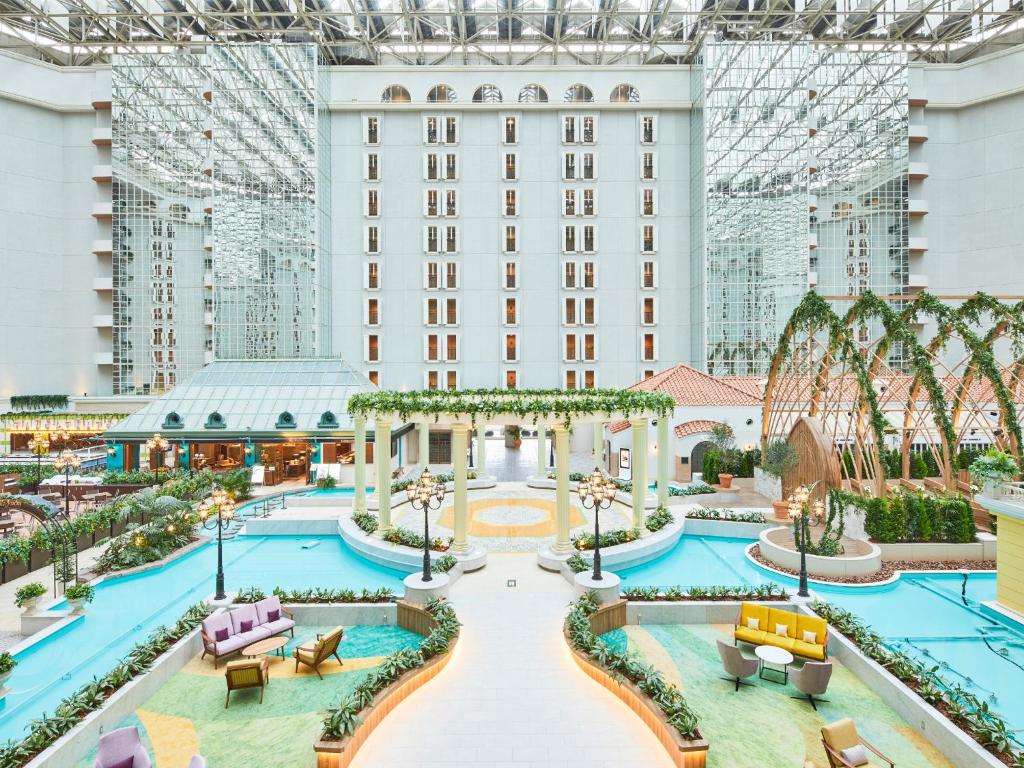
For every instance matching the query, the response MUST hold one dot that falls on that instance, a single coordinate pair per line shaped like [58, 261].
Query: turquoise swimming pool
[126, 609]
[335, 492]
[924, 614]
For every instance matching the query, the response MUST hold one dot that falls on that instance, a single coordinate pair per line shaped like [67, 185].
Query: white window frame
[575, 130]
[583, 205]
[654, 239]
[426, 347]
[426, 312]
[504, 347]
[581, 348]
[582, 242]
[448, 372]
[443, 168]
[458, 348]
[366, 240]
[504, 202]
[576, 207]
[426, 238]
[575, 276]
[426, 378]
[443, 244]
[654, 129]
[443, 133]
[439, 130]
[643, 301]
[504, 274]
[443, 210]
[654, 202]
[366, 202]
[436, 192]
[444, 282]
[654, 273]
[575, 348]
[506, 372]
[583, 380]
[565, 379]
[515, 137]
[426, 166]
[366, 275]
[575, 166]
[580, 165]
[582, 272]
[366, 167]
[583, 313]
[504, 311]
[653, 359]
[426, 275]
[504, 239]
[504, 166]
[566, 320]
[566, 228]
[654, 165]
[593, 140]
[366, 312]
[458, 312]
[366, 130]
[366, 347]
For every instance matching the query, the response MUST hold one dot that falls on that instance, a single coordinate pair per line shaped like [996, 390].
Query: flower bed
[726, 515]
[347, 725]
[93, 695]
[724, 593]
[584, 542]
[662, 706]
[967, 711]
[313, 595]
[368, 524]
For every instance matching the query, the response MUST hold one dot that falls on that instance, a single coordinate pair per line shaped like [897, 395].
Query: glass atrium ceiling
[501, 31]
[251, 397]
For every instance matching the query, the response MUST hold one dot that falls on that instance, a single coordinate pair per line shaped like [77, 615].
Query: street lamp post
[159, 444]
[798, 514]
[216, 512]
[596, 493]
[39, 444]
[426, 494]
[66, 462]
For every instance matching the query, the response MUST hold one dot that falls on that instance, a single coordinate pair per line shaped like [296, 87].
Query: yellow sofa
[767, 622]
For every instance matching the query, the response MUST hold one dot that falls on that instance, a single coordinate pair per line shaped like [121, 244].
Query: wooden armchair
[842, 735]
[248, 673]
[317, 653]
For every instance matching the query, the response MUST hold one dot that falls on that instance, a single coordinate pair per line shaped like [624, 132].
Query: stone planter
[30, 606]
[817, 565]
[77, 606]
[725, 479]
[4, 676]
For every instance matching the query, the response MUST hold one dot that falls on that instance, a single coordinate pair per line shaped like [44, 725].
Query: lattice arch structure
[828, 376]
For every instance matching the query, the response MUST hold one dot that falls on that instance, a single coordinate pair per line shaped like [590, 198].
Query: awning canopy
[232, 400]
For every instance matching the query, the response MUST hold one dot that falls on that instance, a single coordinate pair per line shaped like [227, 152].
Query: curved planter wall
[396, 556]
[397, 499]
[835, 567]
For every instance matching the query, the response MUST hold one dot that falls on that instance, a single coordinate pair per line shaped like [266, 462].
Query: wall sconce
[111, 450]
[248, 450]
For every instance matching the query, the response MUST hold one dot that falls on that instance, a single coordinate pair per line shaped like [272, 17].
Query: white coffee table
[778, 657]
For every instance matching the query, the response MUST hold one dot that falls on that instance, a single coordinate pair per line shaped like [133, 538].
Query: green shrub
[658, 519]
[911, 516]
[29, 592]
[237, 482]
[781, 458]
[577, 563]
[326, 482]
[84, 592]
[443, 564]
[7, 663]
[710, 471]
[585, 541]
[993, 466]
[366, 521]
[728, 515]
[317, 595]
[918, 466]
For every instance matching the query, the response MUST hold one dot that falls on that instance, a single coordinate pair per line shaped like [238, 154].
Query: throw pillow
[810, 637]
[220, 634]
[782, 630]
[128, 762]
[855, 755]
[273, 615]
[754, 624]
[247, 626]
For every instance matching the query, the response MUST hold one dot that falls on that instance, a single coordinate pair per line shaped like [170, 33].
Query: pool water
[126, 609]
[922, 614]
[335, 492]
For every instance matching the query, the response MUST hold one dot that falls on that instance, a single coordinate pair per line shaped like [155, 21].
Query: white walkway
[512, 695]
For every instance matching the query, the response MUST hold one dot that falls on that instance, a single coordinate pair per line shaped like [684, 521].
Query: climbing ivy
[564, 405]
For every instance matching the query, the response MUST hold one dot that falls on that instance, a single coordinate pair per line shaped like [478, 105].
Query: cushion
[221, 634]
[265, 606]
[259, 632]
[233, 643]
[243, 613]
[809, 636]
[840, 735]
[246, 625]
[770, 638]
[278, 627]
[813, 624]
[808, 650]
[212, 623]
[127, 762]
[753, 610]
[856, 755]
[779, 616]
[747, 635]
[753, 623]
[275, 614]
[782, 630]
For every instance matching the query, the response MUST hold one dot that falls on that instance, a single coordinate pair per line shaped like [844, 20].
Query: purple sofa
[229, 632]
[121, 749]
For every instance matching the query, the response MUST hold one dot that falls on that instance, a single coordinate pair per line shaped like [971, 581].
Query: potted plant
[7, 665]
[513, 436]
[327, 482]
[780, 459]
[78, 595]
[724, 440]
[992, 468]
[27, 597]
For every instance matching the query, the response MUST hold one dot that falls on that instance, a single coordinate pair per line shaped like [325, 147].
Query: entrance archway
[700, 450]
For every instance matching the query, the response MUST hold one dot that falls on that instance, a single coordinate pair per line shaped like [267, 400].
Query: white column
[638, 458]
[424, 436]
[360, 451]
[481, 450]
[562, 543]
[382, 460]
[664, 452]
[598, 452]
[460, 444]
[542, 452]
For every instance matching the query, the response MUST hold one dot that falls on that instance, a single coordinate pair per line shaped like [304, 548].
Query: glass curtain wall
[801, 177]
[221, 210]
[860, 114]
[270, 270]
[158, 226]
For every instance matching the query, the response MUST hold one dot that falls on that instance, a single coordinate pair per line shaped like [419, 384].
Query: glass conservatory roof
[232, 398]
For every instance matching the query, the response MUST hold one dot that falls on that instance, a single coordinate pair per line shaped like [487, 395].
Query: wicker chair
[317, 653]
[250, 673]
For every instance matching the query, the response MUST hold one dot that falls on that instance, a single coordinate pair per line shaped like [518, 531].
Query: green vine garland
[564, 405]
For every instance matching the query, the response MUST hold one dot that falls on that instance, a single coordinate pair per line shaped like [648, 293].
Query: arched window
[395, 94]
[532, 92]
[285, 421]
[578, 92]
[215, 421]
[487, 94]
[442, 93]
[625, 93]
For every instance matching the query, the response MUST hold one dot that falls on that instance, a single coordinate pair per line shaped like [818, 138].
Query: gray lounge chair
[736, 665]
[811, 679]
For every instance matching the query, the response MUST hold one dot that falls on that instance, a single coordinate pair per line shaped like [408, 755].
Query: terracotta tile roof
[688, 386]
[695, 427]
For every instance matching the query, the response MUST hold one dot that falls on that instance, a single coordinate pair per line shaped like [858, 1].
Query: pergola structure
[554, 410]
[827, 377]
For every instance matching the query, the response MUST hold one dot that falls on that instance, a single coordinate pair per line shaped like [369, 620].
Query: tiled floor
[512, 696]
